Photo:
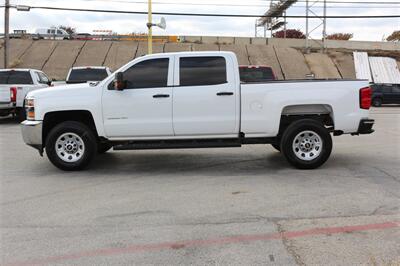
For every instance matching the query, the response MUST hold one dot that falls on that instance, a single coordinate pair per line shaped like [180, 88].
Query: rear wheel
[306, 144]
[71, 146]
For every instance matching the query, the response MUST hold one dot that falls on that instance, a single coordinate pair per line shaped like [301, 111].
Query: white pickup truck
[15, 85]
[193, 100]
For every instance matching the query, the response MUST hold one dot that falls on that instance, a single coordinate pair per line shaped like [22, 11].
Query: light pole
[150, 33]
[6, 31]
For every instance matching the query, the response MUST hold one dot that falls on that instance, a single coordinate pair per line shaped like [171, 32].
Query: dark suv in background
[385, 94]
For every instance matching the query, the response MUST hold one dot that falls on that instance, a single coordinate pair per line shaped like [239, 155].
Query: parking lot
[233, 206]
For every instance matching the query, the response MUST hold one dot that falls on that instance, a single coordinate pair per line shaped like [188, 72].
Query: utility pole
[6, 31]
[150, 33]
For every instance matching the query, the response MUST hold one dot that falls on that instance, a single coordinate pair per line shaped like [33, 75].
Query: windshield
[256, 74]
[88, 74]
[15, 77]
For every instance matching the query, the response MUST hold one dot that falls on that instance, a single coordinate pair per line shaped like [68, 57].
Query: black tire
[377, 102]
[312, 129]
[103, 147]
[22, 113]
[84, 133]
[276, 147]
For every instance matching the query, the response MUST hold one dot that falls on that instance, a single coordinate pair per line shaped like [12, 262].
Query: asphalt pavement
[233, 206]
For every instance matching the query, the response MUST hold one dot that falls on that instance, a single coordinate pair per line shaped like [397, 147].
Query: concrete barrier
[344, 63]
[93, 53]
[177, 47]
[264, 55]
[17, 49]
[209, 39]
[120, 53]
[191, 39]
[205, 47]
[242, 40]
[292, 62]
[226, 40]
[258, 40]
[239, 50]
[322, 66]
[38, 54]
[62, 59]
[362, 45]
[142, 48]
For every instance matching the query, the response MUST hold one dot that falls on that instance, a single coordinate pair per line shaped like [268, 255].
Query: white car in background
[52, 34]
[15, 85]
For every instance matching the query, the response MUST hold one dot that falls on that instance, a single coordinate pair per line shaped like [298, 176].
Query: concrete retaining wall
[344, 63]
[38, 54]
[322, 66]
[93, 53]
[239, 50]
[265, 55]
[120, 53]
[17, 50]
[56, 57]
[62, 59]
[293, 63]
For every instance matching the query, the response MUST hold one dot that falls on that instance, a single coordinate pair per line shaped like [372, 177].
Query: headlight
[30, 108]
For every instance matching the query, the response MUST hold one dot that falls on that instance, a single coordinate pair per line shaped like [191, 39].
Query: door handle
[224, 93]
[161, 96]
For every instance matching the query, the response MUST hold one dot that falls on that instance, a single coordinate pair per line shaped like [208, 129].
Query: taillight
[365, 98]
[13, 94]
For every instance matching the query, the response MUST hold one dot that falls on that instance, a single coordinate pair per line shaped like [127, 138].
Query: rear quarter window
[15, 77]
[254, 74]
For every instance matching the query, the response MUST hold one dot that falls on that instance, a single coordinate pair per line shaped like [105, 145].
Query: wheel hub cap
[307, 145]
[70, 147]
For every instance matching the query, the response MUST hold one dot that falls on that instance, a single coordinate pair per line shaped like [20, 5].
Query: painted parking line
[207, 242]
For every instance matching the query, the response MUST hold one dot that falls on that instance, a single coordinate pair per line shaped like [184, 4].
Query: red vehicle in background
[256, 73]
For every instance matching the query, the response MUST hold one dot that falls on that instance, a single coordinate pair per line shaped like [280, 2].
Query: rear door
[206, 97]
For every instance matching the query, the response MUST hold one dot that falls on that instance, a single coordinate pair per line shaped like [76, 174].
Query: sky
[362, 29]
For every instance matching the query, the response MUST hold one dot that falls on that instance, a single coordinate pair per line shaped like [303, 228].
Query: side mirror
[119, 82]
[49, 83]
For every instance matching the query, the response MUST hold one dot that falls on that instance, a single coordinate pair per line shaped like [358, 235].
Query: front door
[144, 108]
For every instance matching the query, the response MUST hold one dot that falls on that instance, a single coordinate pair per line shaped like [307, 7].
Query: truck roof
[19, 69]
[89, 67]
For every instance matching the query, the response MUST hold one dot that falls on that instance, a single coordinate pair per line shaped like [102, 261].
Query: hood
[63, 90]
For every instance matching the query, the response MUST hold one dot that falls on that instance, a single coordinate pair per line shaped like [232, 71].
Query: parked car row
[15, 84]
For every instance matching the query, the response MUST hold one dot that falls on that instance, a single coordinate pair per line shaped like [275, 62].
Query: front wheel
[71, 146]
[306, 144]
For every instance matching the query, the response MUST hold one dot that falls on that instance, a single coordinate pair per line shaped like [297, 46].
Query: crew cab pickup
[193, 100]
[15, 85]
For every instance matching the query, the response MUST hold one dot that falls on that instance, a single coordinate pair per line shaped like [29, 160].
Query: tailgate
[4, 94]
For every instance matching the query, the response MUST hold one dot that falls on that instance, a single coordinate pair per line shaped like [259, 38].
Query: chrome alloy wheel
[70, 147]
[307, 145]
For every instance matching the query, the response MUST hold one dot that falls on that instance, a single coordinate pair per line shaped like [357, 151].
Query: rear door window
[201, 71]
[87, 74]
[15, 77]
